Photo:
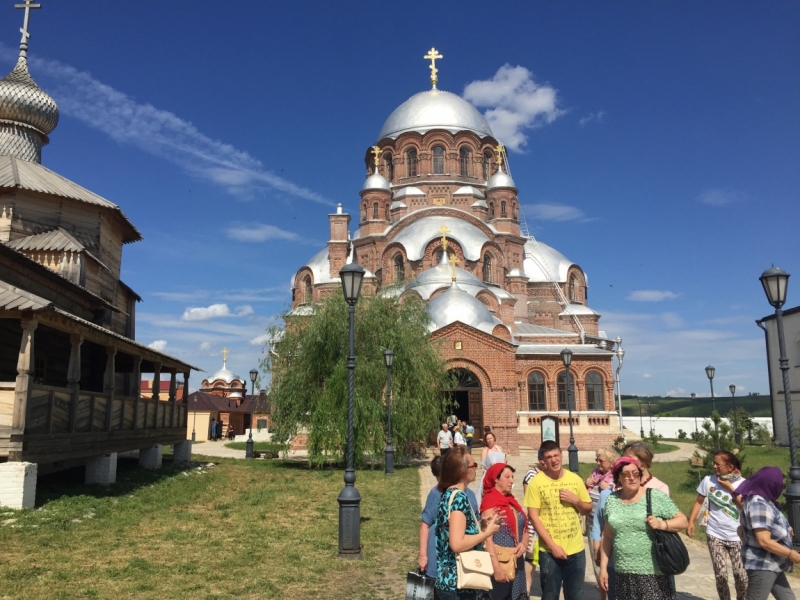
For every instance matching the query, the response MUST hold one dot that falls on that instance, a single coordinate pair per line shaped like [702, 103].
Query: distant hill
[757, 406]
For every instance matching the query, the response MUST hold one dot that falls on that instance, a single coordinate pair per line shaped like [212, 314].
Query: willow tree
[307, 359]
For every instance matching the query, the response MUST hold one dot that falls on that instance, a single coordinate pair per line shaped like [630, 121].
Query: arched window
[438, 255]
[562, 391]
[389, 166]
[463, 162]
[399, 268]
[308, 293]
[572, 288]
[487, 268]
[386, 212]
[411, 163]
[594, 391]
[364, 212]
[375, 210]
[438, 160]
[536, 393]
[487, 157]
[503, 209]
[514, 212]
[491, 209]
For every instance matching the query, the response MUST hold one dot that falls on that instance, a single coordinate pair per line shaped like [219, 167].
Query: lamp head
[253, 375]
[732, 388]
[694, 395]
[710, 372]
[352, 276]
[566, 357]
[775, 282]
[388, 358]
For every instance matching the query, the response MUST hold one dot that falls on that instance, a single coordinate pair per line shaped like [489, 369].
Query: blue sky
[655, 144]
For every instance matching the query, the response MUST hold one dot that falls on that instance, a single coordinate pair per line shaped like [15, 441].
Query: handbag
[668, 548]
[474, 567]
[508, 560]
[419, 586]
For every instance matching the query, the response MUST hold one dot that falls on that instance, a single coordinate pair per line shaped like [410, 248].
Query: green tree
[308, 363]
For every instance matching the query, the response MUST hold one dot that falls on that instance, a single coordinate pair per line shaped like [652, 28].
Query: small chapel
[439, 218]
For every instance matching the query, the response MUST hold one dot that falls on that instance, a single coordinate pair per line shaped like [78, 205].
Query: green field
[757, 406]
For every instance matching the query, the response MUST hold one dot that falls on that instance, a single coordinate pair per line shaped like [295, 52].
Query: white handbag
[474, 567]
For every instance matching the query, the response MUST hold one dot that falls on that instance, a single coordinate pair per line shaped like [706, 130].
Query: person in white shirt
[445, 440]
[723, 522]
[458, 439]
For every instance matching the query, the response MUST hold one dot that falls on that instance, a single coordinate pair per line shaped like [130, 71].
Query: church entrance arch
[467, 399]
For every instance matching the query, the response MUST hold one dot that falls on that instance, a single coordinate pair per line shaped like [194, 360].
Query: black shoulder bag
[668, 548]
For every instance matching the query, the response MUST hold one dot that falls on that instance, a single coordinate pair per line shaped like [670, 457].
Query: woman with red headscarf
[511, 541]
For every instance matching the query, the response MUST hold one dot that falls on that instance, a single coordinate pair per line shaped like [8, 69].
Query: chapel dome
[454, 304]
[434, 109]
[25, 103]
[430, 280]
[224, 374]
[501, 179]
[376, 181]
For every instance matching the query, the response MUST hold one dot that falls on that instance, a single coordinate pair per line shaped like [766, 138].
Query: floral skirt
[631, 586]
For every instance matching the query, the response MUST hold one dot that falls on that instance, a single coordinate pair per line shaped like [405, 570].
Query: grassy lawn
[662, 448]
[240, 529]
[257, 446]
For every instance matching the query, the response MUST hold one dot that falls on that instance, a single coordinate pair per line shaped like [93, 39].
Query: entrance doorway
[467, 400]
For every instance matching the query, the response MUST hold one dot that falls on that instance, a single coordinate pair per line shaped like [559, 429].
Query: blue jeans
[556, 572]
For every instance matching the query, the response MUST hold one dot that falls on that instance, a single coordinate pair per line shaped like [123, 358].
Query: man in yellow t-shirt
[555, 500]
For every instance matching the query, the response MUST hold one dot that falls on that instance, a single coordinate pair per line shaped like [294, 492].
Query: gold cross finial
[225, 353]
[376, 153]
[23, 43]
[499, 150]
[432, 55]
[444, 231]
[453, 260]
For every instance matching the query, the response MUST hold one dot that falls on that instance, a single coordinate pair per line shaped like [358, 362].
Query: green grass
[240, 529]
[757, 406]
[257, 446]
[662, 448]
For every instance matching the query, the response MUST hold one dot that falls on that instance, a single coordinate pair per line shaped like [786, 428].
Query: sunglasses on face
[632, 475]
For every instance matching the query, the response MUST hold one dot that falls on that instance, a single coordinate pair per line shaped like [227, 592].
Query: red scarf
[493, 498]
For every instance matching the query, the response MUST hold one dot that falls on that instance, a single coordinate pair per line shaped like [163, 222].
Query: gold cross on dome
[444, 231]
[225, 353]
[432, 55]
[499, 152]
[23, 43]
[453, 260]
[376, 153]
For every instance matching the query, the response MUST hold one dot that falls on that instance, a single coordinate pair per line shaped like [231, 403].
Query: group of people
[455, 432]
[623, 504]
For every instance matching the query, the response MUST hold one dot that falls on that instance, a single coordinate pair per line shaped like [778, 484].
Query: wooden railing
[60, 410]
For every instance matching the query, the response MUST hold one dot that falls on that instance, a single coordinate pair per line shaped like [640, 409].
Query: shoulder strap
[450, 505]
[649, 503]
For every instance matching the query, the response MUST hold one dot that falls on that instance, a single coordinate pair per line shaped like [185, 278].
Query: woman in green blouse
[628, 533]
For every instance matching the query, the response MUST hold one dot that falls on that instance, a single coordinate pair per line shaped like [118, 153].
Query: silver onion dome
[454, 304]
[376, 181]
[434, 109]
[501, 179]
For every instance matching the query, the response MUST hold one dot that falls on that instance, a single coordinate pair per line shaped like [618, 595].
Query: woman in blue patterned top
[457, 528]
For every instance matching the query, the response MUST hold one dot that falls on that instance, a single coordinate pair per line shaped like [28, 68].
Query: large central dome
[434, 109]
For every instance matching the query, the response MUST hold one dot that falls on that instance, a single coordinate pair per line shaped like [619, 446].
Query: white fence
[669, 426]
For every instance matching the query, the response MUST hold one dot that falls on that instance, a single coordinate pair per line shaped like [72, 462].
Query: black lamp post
[566, 357]
[694, 410]
[641, 422]
[775, 282]
[710, 374]
[736, 436]
[248, 452]
[194, 417]
[388, 359]
[349, 499]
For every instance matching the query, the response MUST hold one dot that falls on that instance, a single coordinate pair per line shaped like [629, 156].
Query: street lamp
[775, 282]
[194, 417]
[248, 451]
[736, 436]
[388, 359]
[566, 357]
[694, 410]
[620, 356]
[710, 374]
[641, 422]
[352, 276]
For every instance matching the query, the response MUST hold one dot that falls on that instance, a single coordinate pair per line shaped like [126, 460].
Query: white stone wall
[18, 484]
[668, 426]
[102, 469]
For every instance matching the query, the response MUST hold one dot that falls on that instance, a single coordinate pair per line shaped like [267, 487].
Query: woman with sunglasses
[628, 534]
[457, 528]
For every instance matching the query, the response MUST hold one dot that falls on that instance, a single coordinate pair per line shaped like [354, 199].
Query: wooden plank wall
[6, 403]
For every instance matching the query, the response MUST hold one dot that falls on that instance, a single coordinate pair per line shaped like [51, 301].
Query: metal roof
[557, 348]
[530, 329]
[13, 298]
[416, 237]
[25, 175]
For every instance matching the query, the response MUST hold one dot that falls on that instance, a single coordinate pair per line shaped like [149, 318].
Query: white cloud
[651, 295]
[679, 392]
[555, 212]
[159, 132]
[261, 340]
[717, 197]
[159, 345]
[214, 311]
[647, 375]
[205, 346]
[260, 232]
[598, 116]
[514, 102]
